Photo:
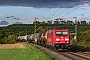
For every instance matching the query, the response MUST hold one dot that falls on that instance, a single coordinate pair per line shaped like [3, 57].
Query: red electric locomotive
[58, 38]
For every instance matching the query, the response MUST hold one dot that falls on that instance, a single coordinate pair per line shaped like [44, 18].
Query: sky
[25, 11]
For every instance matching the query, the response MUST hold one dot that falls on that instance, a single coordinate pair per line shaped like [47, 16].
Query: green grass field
[28, 53]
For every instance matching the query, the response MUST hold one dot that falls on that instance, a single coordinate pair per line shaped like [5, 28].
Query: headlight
[67, 42]
[56, 42]
[66, 39]
[57, 39]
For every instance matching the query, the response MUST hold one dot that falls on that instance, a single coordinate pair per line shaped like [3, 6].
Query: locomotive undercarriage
[62, 46]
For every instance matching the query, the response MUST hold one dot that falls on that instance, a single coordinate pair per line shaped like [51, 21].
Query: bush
[8, 40]
[72, 40]
[84, 38]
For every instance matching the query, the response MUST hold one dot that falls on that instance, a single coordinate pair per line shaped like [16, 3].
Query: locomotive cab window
[58, 33]
[64, 33]
[61, 33]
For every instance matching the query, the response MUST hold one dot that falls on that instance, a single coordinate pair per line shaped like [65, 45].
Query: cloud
[86, 5]
[44, 3]
[13, 17]
[4, 23]
[1, 14]
[25, 7]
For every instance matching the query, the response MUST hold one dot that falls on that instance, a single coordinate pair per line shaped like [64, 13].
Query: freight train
[57, 38]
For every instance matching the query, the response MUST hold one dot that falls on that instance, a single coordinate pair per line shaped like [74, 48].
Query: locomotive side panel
[50, 37]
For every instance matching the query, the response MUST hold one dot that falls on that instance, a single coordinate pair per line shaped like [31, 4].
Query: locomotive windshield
[61, 33]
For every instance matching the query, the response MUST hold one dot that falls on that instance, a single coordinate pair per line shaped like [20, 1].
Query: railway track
[58, 55]
[84, 54]
[75, 56]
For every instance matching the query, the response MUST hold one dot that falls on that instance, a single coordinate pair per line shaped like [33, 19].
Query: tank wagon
[21, 38]
[31, 38]
[34, 38]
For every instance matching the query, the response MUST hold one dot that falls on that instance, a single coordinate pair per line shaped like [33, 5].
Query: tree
[43, 22]
[69, 22]
[83, 22]
[37, 22]
[56, 22]
[89, 23]
[8, 40]
[63, 22]
[49, 22]
[40, 29]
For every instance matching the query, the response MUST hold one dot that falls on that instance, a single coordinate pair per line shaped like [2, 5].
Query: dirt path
[18, 45]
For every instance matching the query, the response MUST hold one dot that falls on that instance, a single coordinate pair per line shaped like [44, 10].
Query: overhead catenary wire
[53, 14]
[62, 6]
[82, 14]
[85, 17]
[71, 11]
[66, 9]
[74, 9]
[59, 9]
[70, 7]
